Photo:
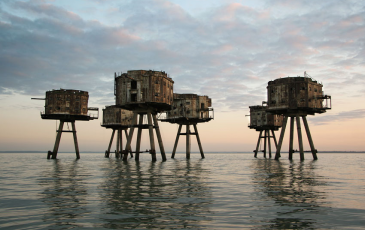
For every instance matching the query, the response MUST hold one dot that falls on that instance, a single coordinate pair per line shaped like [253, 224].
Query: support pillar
[277, 155]
[152, 138]
[188, 146]
[176, 141]
[75, 140]
[291, 140]
[300, 140]
[159, 138]
[258, 144]
[269, 141]
[313, 150]
[129, 139]
[107, 153]
[198, 140]
[265, 134]
[57, 143]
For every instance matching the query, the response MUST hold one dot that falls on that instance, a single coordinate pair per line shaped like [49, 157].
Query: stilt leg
[314, 151]
[107, 153]
[176, 141]
[159, 138]
[152, 139]
[188, 142]
[198, 140]
[75, 140]
[269, 142]
[291, 140]
[117, 153]
[258, 144]
[273, 135]
[58, 139]
[139, 135]
[130, 136]
[277, 155]
[300, 138]
[126, 137]
[265, 139]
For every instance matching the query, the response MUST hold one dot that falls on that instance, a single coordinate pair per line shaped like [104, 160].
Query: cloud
[342, 116]
[228, 52]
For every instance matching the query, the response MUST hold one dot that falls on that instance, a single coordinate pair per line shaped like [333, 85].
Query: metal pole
[126, 137]
[314, 151]
[188, 142]
[152, 138]
[75, 140]
[300, 138]
[129, 140]
[265, 139]
[176, 141]
[139, 135]
[159, 138]
[291, 140]
[110, 144]
[118, 145]
[258, 144]
[58, 140]
[277, 155]
[269, 142]
[198, 140]
[273, 135]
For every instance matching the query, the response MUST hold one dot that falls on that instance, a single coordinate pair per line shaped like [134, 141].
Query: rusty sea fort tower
[118, 120]
[295, 98]
[67, 105]
[146, 93]
[189, 109]
[264, 122]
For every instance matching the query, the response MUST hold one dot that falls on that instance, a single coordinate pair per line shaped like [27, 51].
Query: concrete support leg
[130, 136]
[152, 138]
[300, 138]
[188, 146]
[176, 141]
[277, 155]
[198, 140]
[107, 153]
[75, 140]
[273, 135]
[291, 139]
[121, 141]
[57, 143]
[159, 138]
[258, 144]
[117, 153]
[139, 135]
[314, 151]
[126, 137]
[269, 142]
[265, 139]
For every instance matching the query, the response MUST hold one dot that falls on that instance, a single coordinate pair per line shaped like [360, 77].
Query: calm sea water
[219, 192]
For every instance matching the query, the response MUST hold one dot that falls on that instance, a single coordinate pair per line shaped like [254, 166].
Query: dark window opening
[133, 97]
[134, 85]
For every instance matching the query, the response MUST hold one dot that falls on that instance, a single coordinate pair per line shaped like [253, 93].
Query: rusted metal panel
[114, 116]
[138, 88]
[71, 102]
[260, 119]
[295, 93]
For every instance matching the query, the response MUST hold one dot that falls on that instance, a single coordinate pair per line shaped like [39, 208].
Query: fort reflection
[155, 195]
[292, 186]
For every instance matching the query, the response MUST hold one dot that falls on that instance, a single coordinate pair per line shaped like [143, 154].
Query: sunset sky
[225, 49]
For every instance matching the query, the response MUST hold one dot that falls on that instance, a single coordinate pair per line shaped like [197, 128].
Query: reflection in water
[155, 196]
[64, 193]
[293, 187]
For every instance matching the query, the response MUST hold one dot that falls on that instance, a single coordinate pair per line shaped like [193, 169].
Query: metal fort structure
[295, 98]
[189, 110]
[146, 93]
[67, 105]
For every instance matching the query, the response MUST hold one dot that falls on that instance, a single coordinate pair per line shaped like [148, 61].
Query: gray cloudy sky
[228, 50]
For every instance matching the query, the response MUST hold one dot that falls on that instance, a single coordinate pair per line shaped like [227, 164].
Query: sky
[225, 49]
